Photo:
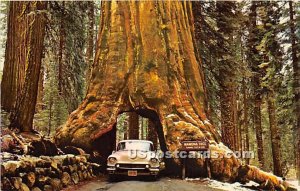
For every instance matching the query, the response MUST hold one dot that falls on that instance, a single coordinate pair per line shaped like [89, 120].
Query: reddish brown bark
[14, 65]
[275, 135]
[35, 23]
[145, 62]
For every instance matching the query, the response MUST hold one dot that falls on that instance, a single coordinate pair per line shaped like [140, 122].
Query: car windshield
[134, 145]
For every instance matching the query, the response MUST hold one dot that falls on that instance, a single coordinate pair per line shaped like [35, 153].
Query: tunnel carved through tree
[145, 62]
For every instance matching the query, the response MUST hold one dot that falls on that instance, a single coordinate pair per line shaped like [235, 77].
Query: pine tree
[254, 59]
[296, 84]
[227, 74]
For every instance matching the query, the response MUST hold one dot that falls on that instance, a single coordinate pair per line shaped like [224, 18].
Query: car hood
[133, 156]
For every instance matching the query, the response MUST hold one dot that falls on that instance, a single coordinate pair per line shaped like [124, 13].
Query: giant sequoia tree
[24, 51]
[145, 62]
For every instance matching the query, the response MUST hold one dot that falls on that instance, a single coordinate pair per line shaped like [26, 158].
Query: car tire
[112, 178]
[154, 177]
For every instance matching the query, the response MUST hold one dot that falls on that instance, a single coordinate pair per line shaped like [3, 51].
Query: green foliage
[64, 64]
[225, 44]
[54, 111]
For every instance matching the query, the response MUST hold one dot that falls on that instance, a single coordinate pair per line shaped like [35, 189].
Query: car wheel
[112, 178]
[154, 177]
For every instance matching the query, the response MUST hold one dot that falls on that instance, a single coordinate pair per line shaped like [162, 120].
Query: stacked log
[45, 172]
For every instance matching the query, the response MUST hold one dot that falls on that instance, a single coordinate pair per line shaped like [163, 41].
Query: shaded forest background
[249, 53]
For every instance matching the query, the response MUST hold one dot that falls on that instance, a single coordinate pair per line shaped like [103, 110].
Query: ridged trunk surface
[34, 31]
[145, 62]
[275, 135]
[15, 56]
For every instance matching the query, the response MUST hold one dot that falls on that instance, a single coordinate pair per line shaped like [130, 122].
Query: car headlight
[112, 160]
[154, 160]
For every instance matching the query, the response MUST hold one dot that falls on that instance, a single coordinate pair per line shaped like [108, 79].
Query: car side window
[121, 146]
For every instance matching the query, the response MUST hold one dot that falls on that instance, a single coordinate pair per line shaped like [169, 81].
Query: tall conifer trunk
[296, 84]
[275, 135]
[34, 31]
[90, 41]
[152, 133]
[15, 55]
[133, 127]
[256, 84]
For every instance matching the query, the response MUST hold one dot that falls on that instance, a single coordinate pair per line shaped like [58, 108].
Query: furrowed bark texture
[145, 62]
[15, 54]
[90, 41]
[34, 32]
[275, 135]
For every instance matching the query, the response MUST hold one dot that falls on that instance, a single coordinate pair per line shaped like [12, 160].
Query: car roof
[136, 140]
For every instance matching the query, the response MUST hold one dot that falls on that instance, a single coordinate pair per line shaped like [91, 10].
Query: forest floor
[162, 184]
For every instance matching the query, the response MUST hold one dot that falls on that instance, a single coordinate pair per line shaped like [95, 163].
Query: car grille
[132, 166]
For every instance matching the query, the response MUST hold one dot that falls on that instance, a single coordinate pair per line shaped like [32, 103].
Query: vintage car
[134, 158]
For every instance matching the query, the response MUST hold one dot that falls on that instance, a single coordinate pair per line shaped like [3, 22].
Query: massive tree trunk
[34, 32]
[275, 135]
[256, 84]
[145, 62]
[15, 56]
[296, 84]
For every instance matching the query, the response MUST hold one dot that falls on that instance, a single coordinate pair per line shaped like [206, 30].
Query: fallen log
[80, 175]
[73, 150]
[36, 189]
[42, 180]
[11, 167]
[47, 188]
[75, 178]
[266, 180]
[6, 184]
[17, 182]
[56, 184]
[24, 187]
[66, 179]
[29, 179]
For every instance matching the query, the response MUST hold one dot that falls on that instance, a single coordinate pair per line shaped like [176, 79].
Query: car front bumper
[140, 171]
